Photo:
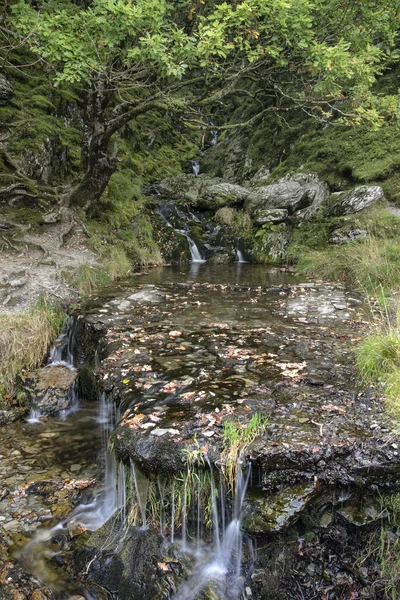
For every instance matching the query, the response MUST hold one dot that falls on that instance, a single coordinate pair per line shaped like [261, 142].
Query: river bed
[187, 348]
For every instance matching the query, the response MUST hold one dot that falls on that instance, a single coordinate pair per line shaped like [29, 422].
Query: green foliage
[343, 156]
[378, 359]
[169, 39]
[238, 220]
[379, 355]
[24, 341]
[236, 438]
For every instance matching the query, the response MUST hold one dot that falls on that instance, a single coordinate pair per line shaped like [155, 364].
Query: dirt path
[37, 261]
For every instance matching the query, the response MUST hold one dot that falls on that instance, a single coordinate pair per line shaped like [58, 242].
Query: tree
[132, 56]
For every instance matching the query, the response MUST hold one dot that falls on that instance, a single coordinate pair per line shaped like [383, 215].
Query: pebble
[74, 468]
[11, 526]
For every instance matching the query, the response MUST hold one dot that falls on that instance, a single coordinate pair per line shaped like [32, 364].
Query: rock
[353, 201]
[153, 452]
[343, 237]
[6, 90]
[215, 195]
[276, 241]
[50, 389]
[127, 563]
[302, 191]
[279, 511]
[274, 215]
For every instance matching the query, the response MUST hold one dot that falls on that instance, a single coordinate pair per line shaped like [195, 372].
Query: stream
[183, 350]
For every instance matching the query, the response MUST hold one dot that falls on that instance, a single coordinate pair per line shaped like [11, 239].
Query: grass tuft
[24, 341]
[236, 438]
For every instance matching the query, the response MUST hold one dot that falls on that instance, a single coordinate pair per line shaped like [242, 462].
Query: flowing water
[210, 310]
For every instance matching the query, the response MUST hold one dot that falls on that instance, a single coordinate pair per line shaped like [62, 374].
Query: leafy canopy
[330, 46]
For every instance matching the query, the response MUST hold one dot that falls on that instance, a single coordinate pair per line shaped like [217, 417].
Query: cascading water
[62, 351]
[61, 354]
[240, 257]
[189, 506]
[194, 251]
[220, 566]
[195, 167]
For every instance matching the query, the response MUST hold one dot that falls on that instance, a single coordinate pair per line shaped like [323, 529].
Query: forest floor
[38, 261]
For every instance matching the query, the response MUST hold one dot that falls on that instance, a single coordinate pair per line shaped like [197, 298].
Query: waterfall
[61, 354]
[220, 565]
[194, 251]
[182, 508]
[240, 257]
[113, 496]
[195, 167]
[62, 351]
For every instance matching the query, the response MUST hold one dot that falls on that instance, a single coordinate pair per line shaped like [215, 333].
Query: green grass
[236, 438]
[89, 279]
[383, 549]
[371, 264]
[24, 341]
[378, 360]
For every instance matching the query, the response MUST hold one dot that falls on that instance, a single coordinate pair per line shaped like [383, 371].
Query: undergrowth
[371, 264]
[384, 548]
[89, 279]
[24, 341]
[378, 359]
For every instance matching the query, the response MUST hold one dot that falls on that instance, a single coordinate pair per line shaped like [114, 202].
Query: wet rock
[153, 454]
[128, 561]
[350, 202]
[275, 513]
[50, 389]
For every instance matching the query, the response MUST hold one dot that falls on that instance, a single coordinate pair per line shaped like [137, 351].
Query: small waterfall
[34, 416]
[239, 257]
[195, 167]
[220, 566]
[194, 251]
[113, 496]
[61, 354]
[62, 351]
[193, 506]
[213, 137]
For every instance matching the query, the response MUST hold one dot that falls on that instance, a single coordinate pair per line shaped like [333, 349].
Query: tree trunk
[94, 181]
[97, 164]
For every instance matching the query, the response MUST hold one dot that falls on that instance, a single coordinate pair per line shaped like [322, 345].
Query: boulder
[276, 242]
[302, 191]
[50, 389]
[343, 237]
[274, 215]
[6, 90]
[353, 201]
[215, 195]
